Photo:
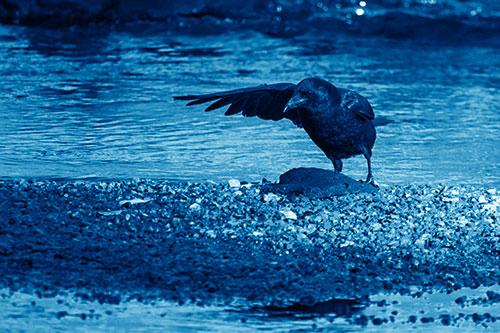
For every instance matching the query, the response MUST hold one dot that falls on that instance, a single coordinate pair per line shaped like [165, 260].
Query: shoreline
[113, 241]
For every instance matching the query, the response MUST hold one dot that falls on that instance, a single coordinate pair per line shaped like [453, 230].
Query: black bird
[339, 121]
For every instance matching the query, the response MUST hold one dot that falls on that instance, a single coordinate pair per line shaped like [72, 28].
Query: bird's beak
[295, 102]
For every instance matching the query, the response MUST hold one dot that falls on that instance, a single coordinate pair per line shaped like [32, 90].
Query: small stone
[61, 314]
[270, 197]
[445, 319]
[311, 228]
[234, 183]
[347, 243]
[426, 320]
[289, 214]
[195, 207]
[482, 199]
[420, 242]
[110, 213]
[134, 201]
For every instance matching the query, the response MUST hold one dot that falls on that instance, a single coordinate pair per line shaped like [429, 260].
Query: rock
[314, 182]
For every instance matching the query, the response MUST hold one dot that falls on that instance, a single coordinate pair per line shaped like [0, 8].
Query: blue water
[97, 101]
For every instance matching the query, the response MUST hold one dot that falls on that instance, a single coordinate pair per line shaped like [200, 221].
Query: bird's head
[311, 93]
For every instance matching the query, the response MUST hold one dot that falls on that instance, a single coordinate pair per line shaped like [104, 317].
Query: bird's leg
[337, 164]
[369, 178]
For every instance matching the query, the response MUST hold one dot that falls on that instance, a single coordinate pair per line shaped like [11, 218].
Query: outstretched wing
[265, 101]
[356, 103]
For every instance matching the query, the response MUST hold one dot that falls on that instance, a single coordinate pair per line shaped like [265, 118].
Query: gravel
[116, 240]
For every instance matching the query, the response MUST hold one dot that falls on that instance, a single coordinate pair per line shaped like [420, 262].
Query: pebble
[195, 206]
[234, 183]
[110, 212]
[134, 201]
[287, 213]
[347, 243]
[270, 197]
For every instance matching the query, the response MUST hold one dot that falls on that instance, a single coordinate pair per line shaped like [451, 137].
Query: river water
[97, 102]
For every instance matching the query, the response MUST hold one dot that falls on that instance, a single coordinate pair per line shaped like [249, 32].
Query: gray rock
[314, 182]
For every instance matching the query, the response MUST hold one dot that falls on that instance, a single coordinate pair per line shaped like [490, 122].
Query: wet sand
[269, 247]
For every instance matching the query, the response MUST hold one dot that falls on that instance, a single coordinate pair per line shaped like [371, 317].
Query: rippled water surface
[98, 103]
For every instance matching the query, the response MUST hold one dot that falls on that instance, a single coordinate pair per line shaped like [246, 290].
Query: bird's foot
[370, 181]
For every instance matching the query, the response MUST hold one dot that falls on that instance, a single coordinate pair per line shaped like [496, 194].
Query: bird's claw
[370, 181]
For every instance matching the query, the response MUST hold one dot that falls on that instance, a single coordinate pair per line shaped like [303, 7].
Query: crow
[339, 121]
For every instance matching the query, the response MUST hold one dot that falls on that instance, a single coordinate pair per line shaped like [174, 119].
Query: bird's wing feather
[265, 101]
[357, 104]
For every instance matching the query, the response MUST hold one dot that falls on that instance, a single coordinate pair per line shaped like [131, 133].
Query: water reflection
[72, 43]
